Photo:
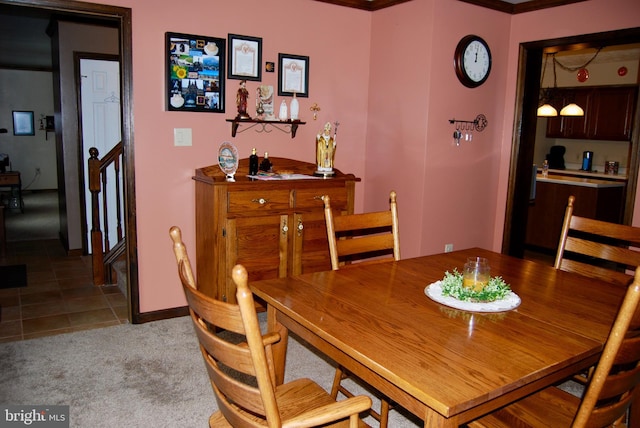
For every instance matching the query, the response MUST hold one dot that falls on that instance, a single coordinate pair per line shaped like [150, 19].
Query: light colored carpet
[132, 375]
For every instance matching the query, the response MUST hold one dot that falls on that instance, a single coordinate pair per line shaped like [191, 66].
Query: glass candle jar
[476, 273]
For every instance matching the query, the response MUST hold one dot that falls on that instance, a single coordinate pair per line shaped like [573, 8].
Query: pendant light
[546, 109]
[572, 109]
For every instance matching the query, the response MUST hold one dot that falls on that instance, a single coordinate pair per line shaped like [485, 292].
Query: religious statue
[241, 101]
[325, 150]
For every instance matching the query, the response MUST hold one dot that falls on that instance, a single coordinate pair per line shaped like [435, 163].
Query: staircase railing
[102, 218]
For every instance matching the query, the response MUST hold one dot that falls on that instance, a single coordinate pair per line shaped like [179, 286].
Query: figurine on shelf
[259, 107]
[325, 150]
[241, 101]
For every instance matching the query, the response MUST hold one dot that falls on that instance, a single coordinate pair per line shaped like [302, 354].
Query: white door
[100, 99]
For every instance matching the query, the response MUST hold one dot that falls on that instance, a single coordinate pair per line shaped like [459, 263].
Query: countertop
[581, 173]
[580, 181]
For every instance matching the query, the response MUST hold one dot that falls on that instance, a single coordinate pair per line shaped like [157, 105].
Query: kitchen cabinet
[603, 201]
[275, 228]
[608, 113]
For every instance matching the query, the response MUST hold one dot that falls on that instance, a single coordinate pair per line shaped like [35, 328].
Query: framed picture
[245, 57]
[23, 123]
[293, 75]
[195, 73]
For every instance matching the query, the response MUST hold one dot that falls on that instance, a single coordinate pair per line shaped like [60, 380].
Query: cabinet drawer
[256, 201]
[312, 198]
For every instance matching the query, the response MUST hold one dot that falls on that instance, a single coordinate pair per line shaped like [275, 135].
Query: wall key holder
[464, 128]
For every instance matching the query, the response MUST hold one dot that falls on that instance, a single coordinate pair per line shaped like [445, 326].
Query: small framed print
[195, 73]
[245, 57]
[293, 75]
[23, 123]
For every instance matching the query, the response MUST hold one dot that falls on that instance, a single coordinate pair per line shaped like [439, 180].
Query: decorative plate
[228, 159]
[434, 292]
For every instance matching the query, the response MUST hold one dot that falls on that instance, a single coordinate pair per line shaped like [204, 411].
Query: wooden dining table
[445, 365]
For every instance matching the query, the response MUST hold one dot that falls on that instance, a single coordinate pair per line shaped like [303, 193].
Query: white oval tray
[434, 292]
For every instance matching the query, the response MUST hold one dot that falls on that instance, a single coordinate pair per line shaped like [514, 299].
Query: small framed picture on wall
[244, 57]
[293, 75]
[23, 123]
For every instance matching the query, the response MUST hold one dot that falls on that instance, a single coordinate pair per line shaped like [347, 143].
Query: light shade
[547, 110]
[572, 109]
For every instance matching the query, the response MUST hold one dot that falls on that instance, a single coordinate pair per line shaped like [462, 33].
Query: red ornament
[583, 75]
[622, 71]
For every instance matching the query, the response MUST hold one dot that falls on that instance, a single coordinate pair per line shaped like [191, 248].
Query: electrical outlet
[448, 248]
[37, 170]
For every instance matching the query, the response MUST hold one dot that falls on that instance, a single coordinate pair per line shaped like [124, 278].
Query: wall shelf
[286, 126]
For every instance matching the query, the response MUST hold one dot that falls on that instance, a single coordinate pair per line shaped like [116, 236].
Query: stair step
[120, 267]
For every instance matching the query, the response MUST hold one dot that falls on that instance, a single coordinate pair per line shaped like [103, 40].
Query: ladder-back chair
[597, 249]
[242, 372]
[362, 238]
[609, 393]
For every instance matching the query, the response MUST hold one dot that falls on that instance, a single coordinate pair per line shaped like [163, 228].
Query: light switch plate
[182, 137]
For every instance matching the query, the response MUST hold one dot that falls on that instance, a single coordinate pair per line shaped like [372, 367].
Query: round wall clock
[472, 61]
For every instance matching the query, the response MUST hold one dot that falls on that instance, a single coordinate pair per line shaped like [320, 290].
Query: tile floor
[59, 296]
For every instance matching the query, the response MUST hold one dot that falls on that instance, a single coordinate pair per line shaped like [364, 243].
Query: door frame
[524, 130]
[120, 17]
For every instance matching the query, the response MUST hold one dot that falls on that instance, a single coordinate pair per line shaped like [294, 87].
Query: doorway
[119, 18]
[99, 95]
[522, 153]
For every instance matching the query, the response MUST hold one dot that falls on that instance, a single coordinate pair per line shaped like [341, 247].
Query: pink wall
[447, 194]
[338, 47]
[386, 76]
[450, 194]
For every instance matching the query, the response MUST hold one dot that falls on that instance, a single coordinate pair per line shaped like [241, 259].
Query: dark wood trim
[369, 5]
[526, 6]
[163, 314]
[120, 17]
[499, 5]
[528, 86]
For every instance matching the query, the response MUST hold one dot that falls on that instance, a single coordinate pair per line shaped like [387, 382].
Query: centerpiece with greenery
[496, 289]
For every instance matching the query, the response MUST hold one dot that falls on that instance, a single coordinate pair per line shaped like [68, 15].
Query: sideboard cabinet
[275, 228]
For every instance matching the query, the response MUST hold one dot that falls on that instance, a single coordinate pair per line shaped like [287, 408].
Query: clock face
[472, 61]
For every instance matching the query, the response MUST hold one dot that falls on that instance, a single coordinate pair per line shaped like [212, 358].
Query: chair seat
[294, 398]
[551, 407]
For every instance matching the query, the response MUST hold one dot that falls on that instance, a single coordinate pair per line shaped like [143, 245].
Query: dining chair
[242, 371]
[597, 249]
[609, 392]
[363, 238]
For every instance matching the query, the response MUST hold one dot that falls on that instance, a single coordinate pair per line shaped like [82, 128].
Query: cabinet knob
[261, 201]
[300, 227]
[319, 197]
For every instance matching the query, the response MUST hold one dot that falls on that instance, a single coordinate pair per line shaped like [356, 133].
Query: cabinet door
[613, 113]
[260, 245]
[576, 127]
[310, 249]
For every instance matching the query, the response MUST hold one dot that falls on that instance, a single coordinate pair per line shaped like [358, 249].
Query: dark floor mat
[13, 276]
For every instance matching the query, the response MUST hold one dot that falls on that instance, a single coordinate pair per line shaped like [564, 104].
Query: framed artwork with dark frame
[244, 57]
[23, 123]
[195, 73]
[293, 75]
